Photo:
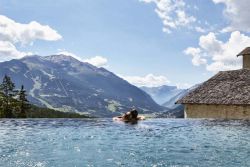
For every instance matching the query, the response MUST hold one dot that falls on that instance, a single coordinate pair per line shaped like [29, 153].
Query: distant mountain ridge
[171, 102]
[176, 110]
[64, 83]
[162, 94]
[171, 94]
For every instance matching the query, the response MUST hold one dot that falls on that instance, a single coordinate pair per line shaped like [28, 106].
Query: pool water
[104, 143]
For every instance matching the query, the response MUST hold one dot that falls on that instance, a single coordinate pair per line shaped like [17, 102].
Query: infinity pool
[104, 143]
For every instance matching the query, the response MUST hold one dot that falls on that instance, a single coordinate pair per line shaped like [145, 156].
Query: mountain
[176, 110]
[31, 111]
[171, 102]
[163, 93]
[63, 83]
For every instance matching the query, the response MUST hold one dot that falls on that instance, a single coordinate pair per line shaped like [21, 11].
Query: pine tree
[24, 103]
[1, 105]
[8, 89]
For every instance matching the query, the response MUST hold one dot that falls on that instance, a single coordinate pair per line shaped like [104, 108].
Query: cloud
[197, 59]
[66, 53]
[97, 61]
[149, 80]
[172, 13]
[184, 85]
[13, 34]
[237, 12]
[217, 55]
[200, 29]
[25, 33]
[8, 51]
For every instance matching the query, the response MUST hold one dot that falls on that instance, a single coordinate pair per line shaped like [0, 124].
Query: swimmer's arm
[141, 118]
[117, 118]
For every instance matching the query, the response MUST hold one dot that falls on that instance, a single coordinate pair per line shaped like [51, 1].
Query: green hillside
[14, 104]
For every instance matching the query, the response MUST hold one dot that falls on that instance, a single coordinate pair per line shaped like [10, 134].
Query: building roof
[246, 51]
[226, 88]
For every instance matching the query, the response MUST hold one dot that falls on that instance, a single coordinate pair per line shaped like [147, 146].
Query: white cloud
[66, 53]
[210, 43]
[97, 61]
[8, 51]
[25, 33]
[196, 7]
[173, 13]
[237, 12]
[13, 33]
[219, 55]
[149, 80]
[184, 85]
[197, 59]
[200, 29]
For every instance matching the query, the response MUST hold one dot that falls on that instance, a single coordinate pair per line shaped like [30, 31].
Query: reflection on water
[102, 142]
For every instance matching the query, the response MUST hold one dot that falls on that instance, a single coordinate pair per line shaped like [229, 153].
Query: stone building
[225, 96]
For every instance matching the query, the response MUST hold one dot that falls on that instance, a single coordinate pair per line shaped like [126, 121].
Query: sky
[147, 42]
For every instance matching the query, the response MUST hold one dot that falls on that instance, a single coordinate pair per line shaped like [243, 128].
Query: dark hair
[126, 117]
[134, 113]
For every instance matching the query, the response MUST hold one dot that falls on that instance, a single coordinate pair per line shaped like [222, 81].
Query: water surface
[102, 142]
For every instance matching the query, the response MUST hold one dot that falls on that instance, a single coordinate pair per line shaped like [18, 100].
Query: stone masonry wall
[217, 111]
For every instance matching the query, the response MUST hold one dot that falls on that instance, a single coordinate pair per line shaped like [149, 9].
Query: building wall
[217, 111]
[246, 62]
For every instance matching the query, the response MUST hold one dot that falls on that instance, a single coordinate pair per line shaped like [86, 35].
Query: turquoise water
[102, 142]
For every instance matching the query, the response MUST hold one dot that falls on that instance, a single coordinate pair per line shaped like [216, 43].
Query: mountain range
[167, 96]
[64, 83]
[163, 94]
[176, 110]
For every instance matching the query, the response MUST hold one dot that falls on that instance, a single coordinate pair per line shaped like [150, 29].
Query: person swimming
[131, 116]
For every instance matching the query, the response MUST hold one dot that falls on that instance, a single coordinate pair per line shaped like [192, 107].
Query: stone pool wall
[217, 111]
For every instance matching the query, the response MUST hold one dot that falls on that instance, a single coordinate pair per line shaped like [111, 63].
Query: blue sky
[128, 35]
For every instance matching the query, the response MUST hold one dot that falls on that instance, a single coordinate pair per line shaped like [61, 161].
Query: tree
[8, 89]
[24, 103]
[1, 105]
